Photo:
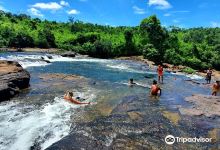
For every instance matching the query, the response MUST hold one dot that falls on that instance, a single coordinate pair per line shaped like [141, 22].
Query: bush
[172, 57]
[194, 62]
[216, 62]
[189, 70]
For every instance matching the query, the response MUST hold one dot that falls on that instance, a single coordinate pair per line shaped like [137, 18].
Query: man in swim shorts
[155, 89]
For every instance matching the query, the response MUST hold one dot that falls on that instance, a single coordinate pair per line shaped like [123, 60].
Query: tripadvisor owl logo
[169, 139]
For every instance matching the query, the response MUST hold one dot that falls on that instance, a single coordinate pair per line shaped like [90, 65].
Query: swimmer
[69, 97]
[131, 82]
[155, 89]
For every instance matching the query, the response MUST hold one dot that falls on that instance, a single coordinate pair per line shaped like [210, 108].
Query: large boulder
[69, 54]
[13, 78]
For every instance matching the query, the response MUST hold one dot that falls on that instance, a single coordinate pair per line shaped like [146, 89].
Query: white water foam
[127, 68]
[19, 130]
[195, 77]
[31, 60]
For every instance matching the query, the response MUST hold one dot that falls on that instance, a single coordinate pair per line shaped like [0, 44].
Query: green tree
[152, 30]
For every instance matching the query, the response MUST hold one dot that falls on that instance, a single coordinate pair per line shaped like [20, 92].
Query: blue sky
[182, 13]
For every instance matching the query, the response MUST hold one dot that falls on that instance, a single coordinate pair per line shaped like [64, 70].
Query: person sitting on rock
[155, 89]
[216, 88]
[69, 97]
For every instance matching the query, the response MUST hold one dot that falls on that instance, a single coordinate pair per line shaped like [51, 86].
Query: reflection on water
[41, 117]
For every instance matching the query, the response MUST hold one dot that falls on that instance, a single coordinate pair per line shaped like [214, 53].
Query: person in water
[69, 97]
[155, 89]
[216, 88]
[209, 76]
[160, 73]
[131, 82]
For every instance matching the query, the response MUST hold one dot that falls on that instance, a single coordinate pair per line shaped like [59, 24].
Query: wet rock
[69, 54]
[202, 105]
[59, 76]
[13, 78]
[173, 117]
[215, 135]
[49, 57]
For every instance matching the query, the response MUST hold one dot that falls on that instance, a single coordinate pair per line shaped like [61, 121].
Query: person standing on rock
[209, 76]
[160, 73]
[216, 88]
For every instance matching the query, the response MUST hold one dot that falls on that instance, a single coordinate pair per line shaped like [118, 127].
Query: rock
[49, 57]
[13, 78]
[173, 117]
[202, 105]
[69, 54]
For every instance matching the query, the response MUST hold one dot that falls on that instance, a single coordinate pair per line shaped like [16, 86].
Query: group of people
[155, 89]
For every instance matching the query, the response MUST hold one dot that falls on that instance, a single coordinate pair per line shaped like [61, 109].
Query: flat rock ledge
[13, 78]
[208, 106]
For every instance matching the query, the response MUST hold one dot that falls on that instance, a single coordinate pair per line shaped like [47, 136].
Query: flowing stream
[40, 117]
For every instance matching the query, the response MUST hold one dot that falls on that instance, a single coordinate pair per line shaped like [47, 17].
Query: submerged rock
[13, 78]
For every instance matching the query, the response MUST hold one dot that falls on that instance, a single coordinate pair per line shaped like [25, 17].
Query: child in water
[69, 97]
[155, 89]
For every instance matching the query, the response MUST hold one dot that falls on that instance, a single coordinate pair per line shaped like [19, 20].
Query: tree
[151, 29]
[129, 48]
[151, 53]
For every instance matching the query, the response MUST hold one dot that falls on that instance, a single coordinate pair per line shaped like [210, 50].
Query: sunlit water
[42, 120]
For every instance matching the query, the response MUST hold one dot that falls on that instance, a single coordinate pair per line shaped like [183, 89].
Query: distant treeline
[198, 48]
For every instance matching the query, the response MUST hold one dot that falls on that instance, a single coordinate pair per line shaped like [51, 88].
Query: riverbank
[40, 50]
[170, 68]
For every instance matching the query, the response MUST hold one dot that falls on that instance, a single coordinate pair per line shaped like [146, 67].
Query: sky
[181, 13]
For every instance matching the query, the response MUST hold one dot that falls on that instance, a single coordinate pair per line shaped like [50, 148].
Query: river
[39, 117]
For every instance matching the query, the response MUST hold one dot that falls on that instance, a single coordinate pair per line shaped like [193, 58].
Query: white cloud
[64, 3]
[176, 21]
[160, 4]
[167, 14]
[35, 12]
[49, 6]
[215, 24]
[181, 11]
[73, 12]
[138, 10]
[176, 12]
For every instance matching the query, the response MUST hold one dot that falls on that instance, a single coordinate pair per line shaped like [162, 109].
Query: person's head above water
[154, 82]
[71, 94]
[131, 80]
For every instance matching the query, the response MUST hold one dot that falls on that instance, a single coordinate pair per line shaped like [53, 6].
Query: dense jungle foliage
[198, 48]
